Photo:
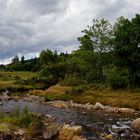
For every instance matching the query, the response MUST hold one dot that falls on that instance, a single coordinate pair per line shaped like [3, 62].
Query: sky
[29, 26]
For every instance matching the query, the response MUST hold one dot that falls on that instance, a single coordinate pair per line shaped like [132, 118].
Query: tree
[47, 56]
[127, 50]
[98, 38]
[15, 59]
[22, 60]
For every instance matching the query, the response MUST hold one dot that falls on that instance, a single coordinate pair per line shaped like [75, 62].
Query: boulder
[6, 97]
[50, 131]
[109, 137]
[16, 98]
[136, 125]
[99, 106]
[20, 132]
[78, 138]
[1, 103]
[126, 110]
[67, 132]
[59, 104]
[71, 104]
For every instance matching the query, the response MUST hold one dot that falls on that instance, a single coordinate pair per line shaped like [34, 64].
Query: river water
[94, 124]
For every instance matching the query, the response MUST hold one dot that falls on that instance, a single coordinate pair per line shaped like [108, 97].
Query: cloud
[28, 26]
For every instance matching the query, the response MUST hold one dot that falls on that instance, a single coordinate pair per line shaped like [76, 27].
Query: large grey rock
[136, 125]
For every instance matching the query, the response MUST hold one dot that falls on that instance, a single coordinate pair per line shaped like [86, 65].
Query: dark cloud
[28, 26]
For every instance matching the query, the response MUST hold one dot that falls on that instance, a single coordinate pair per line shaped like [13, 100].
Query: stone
[78, 138]
[48, 135]
[6, 97]
[109, 137]
[1, 103]
[20, 132]
[58, 104]
[112, 109]
[126, 110]
[71, 103]
[50, 117]
[67, 132]
[136, 125]
[16, 98]
[50, 131]
[99, 106]
[120, 129]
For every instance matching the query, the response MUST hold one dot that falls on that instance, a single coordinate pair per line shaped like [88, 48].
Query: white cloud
[28, 26]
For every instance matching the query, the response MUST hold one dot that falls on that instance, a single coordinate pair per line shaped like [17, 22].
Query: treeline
[108, 55]
[20, 64]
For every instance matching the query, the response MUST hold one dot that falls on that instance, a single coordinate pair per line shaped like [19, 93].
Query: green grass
[18, 118]
[23, 75]
[9, 80]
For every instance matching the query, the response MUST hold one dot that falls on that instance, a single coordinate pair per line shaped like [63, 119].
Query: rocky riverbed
[96, 122]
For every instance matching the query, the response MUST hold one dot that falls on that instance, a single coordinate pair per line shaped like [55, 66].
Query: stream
[94, 124]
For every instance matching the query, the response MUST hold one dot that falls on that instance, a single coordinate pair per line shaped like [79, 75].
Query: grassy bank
[13, 80]
[107, 96]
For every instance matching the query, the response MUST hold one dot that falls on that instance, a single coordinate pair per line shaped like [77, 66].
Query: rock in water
[78, 138]
[99, 106]
[1, 102]
[67, 132]
[58, 104]
[126, 110]
[136, 125]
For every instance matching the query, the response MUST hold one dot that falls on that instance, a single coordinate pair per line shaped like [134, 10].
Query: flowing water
[94, 124]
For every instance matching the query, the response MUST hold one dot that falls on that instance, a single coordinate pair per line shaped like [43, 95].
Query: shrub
[117, 78]
[77, 90]
[73, 81]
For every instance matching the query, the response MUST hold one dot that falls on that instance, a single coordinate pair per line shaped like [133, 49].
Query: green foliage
[98, 36]
[25, 118]
[127, 50]
[77, 90]
[117, 78]
[47, 56]
[20, 118]
[15, 59]
[72, 81]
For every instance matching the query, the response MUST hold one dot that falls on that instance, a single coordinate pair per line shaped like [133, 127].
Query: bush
[73, 81]
[117, 78]
[77, 90]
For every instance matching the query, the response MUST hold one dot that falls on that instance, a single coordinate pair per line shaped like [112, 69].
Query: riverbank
[24, 125]
[106, 96]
